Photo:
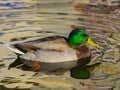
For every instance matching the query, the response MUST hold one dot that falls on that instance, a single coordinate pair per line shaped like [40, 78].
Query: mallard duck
[55, 53]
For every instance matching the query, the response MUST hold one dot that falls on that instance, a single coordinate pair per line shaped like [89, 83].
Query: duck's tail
[14, 49]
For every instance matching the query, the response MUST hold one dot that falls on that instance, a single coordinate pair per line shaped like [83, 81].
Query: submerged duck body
[52, 53]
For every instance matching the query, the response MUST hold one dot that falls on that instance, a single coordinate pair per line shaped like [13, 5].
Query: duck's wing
[57, 43]
[50, 56]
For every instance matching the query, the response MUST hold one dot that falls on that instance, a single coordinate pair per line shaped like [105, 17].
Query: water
[28, 20]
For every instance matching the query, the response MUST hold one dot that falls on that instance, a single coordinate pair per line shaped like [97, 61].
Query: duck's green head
[78, 37]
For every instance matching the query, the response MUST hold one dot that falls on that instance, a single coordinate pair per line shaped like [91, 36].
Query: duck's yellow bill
[91, 42]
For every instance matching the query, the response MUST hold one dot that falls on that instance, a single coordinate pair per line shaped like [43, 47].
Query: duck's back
[55, 43]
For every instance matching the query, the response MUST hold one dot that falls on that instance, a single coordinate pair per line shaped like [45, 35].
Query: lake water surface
[26, 20]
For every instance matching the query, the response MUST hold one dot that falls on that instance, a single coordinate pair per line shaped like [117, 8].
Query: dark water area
[22, 21]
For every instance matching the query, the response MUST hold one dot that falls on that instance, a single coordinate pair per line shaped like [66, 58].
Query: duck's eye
[84, 35]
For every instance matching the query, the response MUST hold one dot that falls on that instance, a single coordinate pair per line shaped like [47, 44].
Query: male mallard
[55, 52]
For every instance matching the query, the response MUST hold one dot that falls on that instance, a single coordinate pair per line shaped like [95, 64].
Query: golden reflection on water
[28, 20]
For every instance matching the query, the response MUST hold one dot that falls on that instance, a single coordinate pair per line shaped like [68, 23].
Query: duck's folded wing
[50, 56]
[55, 43]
